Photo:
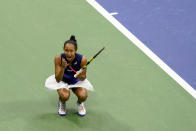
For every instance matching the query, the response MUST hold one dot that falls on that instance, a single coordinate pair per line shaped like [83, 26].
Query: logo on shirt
[75, 63]
[69, 70]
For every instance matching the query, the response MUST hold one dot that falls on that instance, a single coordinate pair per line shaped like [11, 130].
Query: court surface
[131, 92]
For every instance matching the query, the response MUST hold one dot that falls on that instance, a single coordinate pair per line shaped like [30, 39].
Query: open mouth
[69, 58]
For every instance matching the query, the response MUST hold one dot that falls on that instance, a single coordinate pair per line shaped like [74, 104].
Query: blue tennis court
[166, 27]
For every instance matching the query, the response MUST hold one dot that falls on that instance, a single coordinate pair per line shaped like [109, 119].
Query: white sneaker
[61, 108]
[81, 109]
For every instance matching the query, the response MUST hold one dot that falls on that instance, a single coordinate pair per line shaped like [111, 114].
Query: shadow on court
[42, 116]
[96, 119]
[93, 121]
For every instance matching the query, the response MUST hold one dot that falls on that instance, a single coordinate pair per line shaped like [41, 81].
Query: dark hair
[73, 41]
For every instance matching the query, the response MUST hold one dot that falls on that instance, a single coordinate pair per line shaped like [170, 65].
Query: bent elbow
[57, 80]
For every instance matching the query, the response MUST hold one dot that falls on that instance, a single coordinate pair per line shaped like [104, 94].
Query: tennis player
[66, 66]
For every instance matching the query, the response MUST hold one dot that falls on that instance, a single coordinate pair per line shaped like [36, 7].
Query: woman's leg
[63, 97]
[81, 93]
[63, 94]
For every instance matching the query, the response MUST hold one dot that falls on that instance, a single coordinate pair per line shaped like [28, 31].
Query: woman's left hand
[81, 75]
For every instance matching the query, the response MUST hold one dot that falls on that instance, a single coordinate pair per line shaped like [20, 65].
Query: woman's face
[69, 51]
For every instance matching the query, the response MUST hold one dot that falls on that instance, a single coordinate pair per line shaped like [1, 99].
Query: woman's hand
[64, 63]
[81, 75]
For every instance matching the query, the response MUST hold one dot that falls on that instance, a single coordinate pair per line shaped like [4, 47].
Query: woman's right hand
[64, 63]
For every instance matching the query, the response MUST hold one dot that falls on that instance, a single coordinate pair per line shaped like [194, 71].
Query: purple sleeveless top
[69, 72]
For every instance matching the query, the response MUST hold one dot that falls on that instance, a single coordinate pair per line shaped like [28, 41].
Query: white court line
[114, 13]
[142, 47]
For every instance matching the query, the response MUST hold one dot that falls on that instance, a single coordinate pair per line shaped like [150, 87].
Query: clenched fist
[64, 63]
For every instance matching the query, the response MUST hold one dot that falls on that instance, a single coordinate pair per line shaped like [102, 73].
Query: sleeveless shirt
[69, 72]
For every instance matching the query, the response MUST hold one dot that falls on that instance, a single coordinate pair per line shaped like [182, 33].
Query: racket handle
[78, 72]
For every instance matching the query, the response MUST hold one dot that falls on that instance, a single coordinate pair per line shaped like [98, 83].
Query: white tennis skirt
[51, 84]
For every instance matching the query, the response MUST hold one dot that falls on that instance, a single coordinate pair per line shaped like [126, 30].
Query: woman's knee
[64, 94]
[82, 95]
